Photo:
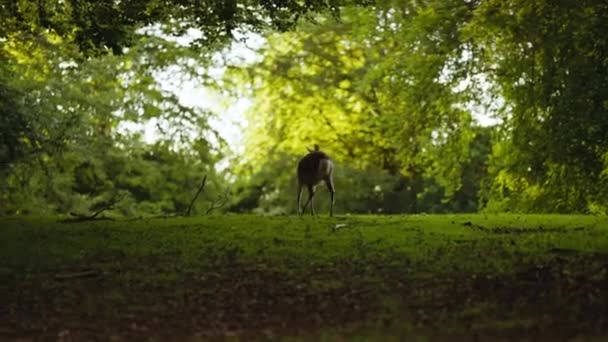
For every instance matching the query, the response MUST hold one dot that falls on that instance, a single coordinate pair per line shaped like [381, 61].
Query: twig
[80, 218]
[72, 275]
[338, 226]
[200, 189]
[218, 203]
[108, 206]
[355, 293]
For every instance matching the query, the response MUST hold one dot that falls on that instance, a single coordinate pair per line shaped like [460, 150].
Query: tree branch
[218, 203]
[200, 189]
[107, 206]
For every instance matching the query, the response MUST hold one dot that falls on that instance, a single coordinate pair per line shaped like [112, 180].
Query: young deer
[312, 169]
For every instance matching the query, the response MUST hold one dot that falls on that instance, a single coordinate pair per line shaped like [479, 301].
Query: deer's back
[314, 167]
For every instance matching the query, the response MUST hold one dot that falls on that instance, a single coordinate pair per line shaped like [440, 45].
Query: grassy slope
[351, 276]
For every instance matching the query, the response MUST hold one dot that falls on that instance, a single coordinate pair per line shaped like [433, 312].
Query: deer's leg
[308, 200]
[311, 191]
[299, 199]
[332, 190]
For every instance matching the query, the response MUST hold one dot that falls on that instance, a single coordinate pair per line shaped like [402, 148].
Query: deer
[314, 168]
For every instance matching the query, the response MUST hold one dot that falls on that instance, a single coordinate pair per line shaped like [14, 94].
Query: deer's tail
[325, 167]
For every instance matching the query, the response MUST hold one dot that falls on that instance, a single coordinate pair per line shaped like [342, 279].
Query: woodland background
[426, 106]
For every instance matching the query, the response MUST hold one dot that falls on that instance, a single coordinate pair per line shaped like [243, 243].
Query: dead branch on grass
[72, 275]
[109, 205]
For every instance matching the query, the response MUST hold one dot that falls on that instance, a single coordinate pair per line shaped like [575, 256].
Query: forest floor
[415, 277]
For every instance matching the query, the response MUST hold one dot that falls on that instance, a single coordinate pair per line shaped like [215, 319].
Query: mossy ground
[350, 277]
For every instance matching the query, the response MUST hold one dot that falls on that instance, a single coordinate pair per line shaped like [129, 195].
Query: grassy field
[420, 277]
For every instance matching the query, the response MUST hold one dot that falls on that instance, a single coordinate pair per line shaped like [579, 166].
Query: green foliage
[383, 106]
[104, 26]
[390, 91]
[62, 141]
[550, 73]
[74, 74]
[395, 88]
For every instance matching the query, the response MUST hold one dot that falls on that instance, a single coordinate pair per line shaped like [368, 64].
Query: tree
[75, 72]
[64, 116]
[100, 25]
[548, 61]
[377, 89]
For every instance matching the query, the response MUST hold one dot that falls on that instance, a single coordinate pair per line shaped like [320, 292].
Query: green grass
[351, 277]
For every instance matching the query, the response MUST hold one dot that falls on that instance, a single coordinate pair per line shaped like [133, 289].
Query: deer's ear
[309, 149]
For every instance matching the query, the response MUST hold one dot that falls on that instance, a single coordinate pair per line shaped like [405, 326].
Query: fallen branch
[107, 206]
[72, 275]
[200, 189]
[81, 218]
